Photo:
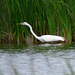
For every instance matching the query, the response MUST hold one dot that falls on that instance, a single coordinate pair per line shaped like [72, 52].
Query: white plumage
[50, 38]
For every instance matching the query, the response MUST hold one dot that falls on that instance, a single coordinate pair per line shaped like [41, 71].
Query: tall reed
[46, 17]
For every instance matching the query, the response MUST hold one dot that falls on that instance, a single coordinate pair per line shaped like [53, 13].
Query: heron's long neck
[32, 31]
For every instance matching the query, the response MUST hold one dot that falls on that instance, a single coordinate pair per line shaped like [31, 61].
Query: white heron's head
[23, 23]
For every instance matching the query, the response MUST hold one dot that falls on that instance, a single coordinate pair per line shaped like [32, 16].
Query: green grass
[54, 17]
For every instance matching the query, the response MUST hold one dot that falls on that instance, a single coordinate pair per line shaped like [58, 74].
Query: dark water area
[43, 59]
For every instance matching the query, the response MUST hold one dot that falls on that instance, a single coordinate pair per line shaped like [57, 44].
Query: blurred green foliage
[53, 17]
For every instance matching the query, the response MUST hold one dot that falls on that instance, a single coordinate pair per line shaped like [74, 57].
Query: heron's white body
[44, 38]
[50, 38]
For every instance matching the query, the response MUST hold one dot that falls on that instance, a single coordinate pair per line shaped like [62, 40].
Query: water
[44, 59]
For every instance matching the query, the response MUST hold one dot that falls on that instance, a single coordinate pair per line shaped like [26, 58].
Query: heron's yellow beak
[19, 23]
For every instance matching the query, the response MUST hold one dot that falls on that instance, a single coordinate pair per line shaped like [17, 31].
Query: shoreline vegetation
[50, 17]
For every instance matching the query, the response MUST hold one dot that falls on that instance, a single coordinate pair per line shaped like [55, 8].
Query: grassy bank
[54, 17]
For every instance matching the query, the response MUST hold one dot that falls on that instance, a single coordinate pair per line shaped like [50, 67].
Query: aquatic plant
[46, 17]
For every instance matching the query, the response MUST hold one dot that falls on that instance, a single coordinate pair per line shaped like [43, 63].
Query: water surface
[43, 59]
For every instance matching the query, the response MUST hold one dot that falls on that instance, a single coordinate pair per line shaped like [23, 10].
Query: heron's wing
[49, 38]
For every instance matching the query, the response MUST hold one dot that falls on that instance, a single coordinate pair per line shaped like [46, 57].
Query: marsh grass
[45, 16]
